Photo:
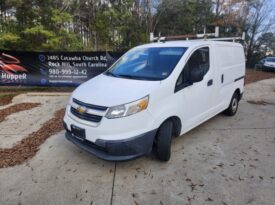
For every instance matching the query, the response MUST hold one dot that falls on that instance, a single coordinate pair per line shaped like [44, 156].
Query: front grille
[90, 106]
[86, 116]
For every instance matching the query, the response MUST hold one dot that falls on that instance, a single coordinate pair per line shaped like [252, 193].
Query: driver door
[197, 99]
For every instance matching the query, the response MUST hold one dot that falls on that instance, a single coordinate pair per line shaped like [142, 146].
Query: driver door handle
[210, 82]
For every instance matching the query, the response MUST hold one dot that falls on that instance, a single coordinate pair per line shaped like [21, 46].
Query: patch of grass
[3, 95]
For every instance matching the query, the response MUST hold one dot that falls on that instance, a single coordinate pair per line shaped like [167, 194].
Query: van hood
[111, 91]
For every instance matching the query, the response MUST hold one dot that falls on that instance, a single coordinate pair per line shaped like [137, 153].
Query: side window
[199, 60]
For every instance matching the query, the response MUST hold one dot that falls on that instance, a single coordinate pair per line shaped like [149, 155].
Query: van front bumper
[116, 150]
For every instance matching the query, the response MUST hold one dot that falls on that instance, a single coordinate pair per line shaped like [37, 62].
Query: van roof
[190, 43]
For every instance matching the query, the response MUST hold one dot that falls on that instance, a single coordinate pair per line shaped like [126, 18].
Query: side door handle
[210, 82]
[222, 78]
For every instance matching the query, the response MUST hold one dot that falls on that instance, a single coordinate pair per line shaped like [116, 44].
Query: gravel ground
[227, 161]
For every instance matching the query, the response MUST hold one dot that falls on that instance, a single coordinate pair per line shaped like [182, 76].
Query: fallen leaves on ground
[16, 108]
[27, 147]
[6, 99]
[252, 76]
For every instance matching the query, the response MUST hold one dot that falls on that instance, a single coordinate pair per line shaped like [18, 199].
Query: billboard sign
[53, 68]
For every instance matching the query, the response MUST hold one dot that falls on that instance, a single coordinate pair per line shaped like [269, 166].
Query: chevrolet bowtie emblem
[81, 109]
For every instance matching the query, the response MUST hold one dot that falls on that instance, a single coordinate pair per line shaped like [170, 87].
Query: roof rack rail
[204, 35]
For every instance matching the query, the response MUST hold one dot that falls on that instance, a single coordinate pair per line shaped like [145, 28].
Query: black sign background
[53, 68]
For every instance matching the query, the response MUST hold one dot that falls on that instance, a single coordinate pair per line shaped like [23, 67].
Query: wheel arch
[238, 92]
[177, 125]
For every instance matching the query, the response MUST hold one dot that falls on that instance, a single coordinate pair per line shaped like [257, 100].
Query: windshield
[270, 60]
[147, 63]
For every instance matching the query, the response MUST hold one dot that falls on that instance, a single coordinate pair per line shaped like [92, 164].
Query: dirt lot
[227, 160]
[254, 76]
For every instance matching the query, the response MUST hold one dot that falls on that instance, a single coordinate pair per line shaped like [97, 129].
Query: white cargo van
[153, 92]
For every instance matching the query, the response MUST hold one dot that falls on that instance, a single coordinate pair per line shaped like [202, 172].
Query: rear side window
[199, 59]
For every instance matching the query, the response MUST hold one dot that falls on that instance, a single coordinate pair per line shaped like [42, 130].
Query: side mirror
[196, 74]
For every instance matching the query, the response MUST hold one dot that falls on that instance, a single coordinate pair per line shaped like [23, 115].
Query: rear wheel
[163, 141]
[233, 106]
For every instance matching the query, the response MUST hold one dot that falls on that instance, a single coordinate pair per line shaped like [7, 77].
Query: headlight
[128, 109]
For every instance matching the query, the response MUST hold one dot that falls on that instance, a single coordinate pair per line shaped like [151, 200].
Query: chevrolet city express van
[154, 92]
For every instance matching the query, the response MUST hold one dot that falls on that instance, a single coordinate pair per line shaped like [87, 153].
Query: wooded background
[92, 25]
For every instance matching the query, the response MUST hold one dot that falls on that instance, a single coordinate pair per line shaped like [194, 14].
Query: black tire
[233, 106]
[163, 141]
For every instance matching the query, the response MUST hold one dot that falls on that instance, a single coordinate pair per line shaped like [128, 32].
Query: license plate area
[78, 132]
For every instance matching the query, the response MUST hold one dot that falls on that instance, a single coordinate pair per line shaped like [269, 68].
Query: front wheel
[163, 141]
[233, 106]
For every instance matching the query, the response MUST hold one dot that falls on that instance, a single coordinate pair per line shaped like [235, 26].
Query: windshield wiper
[120, 76]
[138, 77]
[131, 76]
[128, 76]
[112, 74]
